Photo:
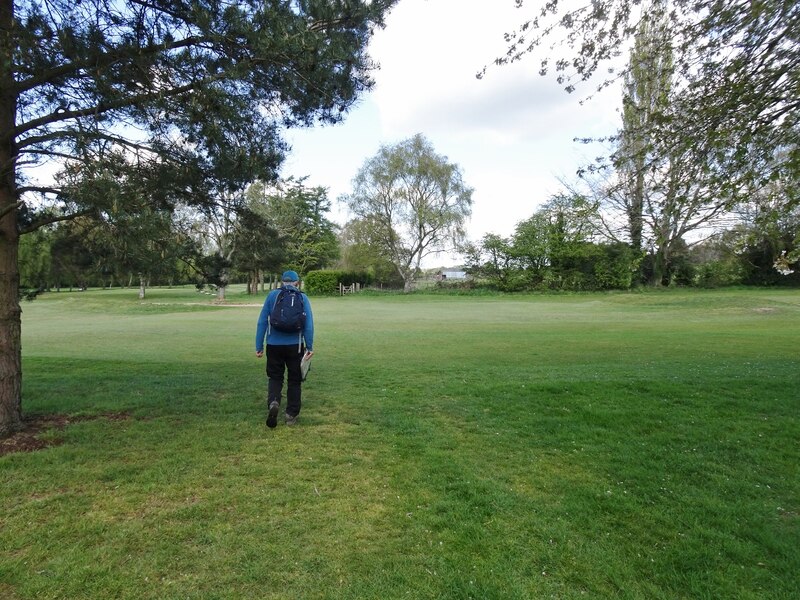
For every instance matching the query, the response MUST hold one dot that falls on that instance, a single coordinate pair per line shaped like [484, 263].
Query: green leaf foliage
[321, 283]
[326, 283]
[732, 104]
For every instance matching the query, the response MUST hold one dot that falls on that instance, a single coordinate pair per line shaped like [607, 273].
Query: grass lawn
[632, 445]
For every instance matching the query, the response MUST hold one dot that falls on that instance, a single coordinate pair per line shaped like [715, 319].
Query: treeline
[241, 238]
[563, 247]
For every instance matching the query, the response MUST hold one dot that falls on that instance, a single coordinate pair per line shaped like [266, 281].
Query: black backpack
[289, 312]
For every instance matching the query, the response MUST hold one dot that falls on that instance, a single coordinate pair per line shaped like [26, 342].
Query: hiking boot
[272, 415]
[291, 419]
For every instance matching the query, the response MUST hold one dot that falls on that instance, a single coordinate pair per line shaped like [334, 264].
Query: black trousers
[279, 359]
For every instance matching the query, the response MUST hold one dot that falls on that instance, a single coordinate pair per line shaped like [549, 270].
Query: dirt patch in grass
[29, 438]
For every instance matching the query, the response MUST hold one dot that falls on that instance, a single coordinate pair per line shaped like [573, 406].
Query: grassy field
[638, 445]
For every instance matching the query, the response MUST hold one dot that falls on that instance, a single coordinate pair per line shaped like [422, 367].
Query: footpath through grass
[590, 446]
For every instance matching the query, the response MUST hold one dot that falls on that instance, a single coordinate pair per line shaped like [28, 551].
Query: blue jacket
[283, 338]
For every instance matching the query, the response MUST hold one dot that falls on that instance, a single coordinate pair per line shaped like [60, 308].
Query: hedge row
[326, 283]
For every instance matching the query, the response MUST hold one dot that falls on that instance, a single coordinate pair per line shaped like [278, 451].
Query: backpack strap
[300, 333]
[269, 316]
[302, 296]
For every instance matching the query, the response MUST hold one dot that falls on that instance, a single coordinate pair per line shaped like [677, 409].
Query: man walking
[288, 325]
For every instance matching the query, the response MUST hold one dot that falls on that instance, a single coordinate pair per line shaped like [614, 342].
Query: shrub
[614, 267]
[718, 273]
[322, 283]
[326, 283]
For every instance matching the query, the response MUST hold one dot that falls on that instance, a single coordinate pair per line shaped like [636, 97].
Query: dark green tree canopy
[299, 214]
[202, 84]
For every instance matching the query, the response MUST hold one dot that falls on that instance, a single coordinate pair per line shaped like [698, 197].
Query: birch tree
[417, 201]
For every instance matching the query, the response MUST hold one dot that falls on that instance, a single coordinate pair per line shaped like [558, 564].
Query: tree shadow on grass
[36, 433]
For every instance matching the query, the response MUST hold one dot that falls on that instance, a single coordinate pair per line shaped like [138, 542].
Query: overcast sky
[510, 132]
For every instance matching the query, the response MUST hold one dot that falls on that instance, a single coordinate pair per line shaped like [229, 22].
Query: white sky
[510, 132]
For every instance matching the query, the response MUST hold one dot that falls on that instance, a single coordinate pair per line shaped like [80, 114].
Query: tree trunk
[10, 319]
[635, 214]
[10, 312]
[660, 265]
[406, 274]
[224, 278]
[142, 286]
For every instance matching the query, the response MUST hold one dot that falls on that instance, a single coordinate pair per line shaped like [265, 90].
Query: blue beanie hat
[290, 276]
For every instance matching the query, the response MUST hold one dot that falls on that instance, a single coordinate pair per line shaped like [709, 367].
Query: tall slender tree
[645, 101]
[663, 191]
